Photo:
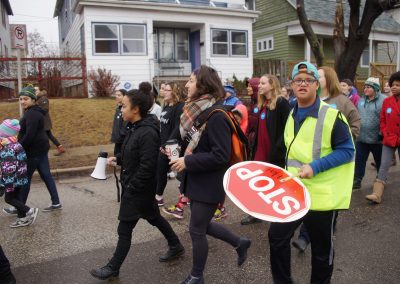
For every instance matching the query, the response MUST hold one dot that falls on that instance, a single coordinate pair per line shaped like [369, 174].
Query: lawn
[76, 122]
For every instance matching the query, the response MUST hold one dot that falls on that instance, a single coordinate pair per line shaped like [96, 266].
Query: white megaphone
[101, 165]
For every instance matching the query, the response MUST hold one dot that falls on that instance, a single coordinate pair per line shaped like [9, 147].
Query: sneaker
[174, 211]
[160, 202]
[52, 207]
[249, 220]
[32, 213]
[193, 280]
[220, 213]
[172, 253]
[10, 211]
[105, 272]
[21, 222]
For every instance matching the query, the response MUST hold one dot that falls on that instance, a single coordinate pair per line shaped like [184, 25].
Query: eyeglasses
[308, 82]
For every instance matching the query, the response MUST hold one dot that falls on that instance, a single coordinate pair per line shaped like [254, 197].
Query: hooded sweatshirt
[32, 135]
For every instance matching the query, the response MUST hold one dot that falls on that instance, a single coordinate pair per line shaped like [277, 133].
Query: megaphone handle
[117, 182]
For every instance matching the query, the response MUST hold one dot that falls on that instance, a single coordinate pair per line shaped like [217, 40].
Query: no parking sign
[258, 189]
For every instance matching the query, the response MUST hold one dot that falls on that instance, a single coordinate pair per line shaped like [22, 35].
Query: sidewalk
[76, 161]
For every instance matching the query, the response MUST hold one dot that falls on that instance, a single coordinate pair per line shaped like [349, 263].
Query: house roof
[7, 5]
[323, 11]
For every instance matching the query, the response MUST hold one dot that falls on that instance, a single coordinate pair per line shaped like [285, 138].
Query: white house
[143, 40]
[5, 47]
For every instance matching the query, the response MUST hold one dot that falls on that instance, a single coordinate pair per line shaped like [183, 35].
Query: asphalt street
[62, 246]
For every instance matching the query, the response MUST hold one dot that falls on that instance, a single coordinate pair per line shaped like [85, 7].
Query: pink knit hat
[9, 128]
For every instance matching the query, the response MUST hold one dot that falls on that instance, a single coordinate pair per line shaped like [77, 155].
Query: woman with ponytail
[138, 160]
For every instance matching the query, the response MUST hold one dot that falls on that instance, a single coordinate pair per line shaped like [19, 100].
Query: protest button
[266, 191]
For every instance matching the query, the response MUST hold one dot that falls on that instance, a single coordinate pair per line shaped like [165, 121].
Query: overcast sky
[36, 14]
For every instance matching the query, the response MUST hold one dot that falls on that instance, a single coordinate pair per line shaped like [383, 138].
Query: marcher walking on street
[138, 159]
[119, 126]
[44, 103]
[320, 149]
[13, 172]
[35, 142]
[206, 158]
[390, 130]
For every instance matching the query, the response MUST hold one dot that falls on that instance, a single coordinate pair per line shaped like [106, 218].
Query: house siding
[5, 45]
[272, 13]
[135, 69]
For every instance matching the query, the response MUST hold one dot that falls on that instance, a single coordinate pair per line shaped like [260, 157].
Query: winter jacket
[138, 158]
[206, 166]
[390, 121]
[370, 116]
[353, 96]
[44, 103]
[275, 123]
[345, 106]
[32, 135]
[242, 109]
[13, 170]
[119, 127]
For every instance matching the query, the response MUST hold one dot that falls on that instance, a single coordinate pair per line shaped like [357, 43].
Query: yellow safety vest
[331, 189]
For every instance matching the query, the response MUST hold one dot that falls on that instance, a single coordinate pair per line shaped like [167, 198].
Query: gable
[323, 11]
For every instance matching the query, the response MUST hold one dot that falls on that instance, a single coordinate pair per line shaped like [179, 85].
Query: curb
[68, 172]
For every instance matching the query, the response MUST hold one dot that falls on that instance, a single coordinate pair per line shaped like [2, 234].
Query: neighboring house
[5, 47]
[277, 34]
[157, 40]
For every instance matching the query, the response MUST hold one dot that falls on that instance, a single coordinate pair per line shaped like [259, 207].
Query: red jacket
[390, 122]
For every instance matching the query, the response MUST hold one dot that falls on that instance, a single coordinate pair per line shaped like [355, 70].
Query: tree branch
[309, 33]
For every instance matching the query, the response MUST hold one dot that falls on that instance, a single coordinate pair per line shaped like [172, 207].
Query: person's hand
[306, 172]
[162, 150]
[112, 161]
[178, 165]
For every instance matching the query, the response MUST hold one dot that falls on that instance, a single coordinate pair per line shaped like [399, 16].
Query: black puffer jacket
[138, 158]
[32, 135]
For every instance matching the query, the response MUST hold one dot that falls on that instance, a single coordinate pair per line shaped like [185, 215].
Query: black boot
[193, 280]
[172, 253]
[249, 220]
[241, 250]
[105, 272]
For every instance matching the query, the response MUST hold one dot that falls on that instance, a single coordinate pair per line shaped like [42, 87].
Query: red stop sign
[257, 189]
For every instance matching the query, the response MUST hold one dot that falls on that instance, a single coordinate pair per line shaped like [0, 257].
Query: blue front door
[194, 43]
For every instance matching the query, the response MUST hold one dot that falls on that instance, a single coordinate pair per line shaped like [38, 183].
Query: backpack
[239, 143]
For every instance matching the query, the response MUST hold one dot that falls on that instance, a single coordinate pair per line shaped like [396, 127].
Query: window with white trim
[119, 39]
[228, 42]
[265, 44]
[364, 61]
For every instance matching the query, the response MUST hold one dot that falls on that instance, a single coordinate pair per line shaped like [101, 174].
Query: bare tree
[348, 50]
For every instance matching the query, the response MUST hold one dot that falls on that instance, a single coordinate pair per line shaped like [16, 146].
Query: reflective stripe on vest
[330, 189]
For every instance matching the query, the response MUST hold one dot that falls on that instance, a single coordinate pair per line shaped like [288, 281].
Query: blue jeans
[40, 163]
[362, 153]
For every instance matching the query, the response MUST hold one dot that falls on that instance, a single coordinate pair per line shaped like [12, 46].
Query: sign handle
[289, 178]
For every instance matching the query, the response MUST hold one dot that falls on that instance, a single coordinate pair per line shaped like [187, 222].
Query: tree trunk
[309, 33]
[339, 38]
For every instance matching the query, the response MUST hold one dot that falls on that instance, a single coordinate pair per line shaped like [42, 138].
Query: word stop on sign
[255, 187]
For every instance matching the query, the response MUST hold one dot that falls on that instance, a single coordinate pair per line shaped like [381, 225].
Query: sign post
[264, 191]
[19, 42]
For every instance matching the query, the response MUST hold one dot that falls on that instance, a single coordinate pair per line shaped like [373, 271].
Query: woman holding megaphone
[138, 160]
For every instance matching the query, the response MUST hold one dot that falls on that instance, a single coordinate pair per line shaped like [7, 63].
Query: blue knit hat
[9, 128]
[28, 91]
[230, 89]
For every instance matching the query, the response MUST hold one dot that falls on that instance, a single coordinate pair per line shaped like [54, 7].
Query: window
[171, 44]
[127, 39]
[228, 42]
[250, 4]
[134, 39]
[364, 61]
[265, 44]
[82, 32]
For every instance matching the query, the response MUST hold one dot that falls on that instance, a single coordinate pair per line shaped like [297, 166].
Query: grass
[76, 122]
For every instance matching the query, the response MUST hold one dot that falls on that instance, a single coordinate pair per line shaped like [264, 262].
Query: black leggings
[162, 171]
[200, 225]
[12, 199]
[52, 138]
[125, 229]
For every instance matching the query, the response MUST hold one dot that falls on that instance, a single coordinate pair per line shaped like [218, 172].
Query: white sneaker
[21, 222]
[32, 214]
